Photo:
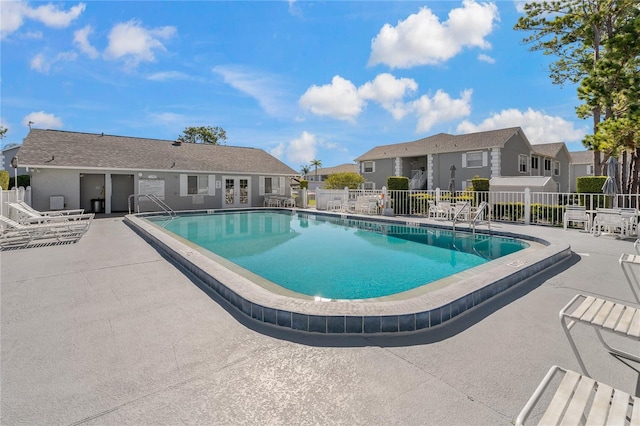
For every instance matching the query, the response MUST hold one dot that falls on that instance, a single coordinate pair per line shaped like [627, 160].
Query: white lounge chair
[576, 214]
[627, 262]
[57, 230]
[25, 212]
[581, 400]
[601, 314]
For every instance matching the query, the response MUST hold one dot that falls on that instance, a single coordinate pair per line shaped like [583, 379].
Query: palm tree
[304, 170]
[316, 163]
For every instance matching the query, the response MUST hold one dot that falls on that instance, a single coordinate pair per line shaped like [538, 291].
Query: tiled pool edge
[343, 323]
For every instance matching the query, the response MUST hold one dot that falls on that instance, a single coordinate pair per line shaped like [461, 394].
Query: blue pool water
[337, 258]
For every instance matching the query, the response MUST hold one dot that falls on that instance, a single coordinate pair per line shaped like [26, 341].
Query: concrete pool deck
[107, 331]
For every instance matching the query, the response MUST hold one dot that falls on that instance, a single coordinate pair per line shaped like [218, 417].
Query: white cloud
[81, 39]
[168, 118]
[42, 120]
[339, 99]
[13, 14]
[40, 63]
[486, 58]
[537, 126]
[277, 151]
[303, 149]
[440, 108]
[343, 101]
[422, 39]
[168, 75]
[389, 91]
[134, 43]
[260, 86]
[51, 16]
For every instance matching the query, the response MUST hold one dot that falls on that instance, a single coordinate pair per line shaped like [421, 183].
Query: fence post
[527, 206]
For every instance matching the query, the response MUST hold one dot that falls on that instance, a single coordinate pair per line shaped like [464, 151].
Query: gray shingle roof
[548, 149]
[342, 168]
[55, 148]
[582, 157]
[442, 143]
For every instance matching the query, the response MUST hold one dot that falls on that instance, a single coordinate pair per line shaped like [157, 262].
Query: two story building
[428, 162]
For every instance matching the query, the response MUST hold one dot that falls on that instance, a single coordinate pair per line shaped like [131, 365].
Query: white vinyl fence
[526, 207]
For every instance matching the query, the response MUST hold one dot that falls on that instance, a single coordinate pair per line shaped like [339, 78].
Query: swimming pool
[416, 309]
[336, 258]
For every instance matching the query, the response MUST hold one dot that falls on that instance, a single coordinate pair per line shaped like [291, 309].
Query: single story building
[105, 173]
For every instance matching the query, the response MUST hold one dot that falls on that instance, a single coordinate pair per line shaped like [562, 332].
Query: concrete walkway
[106, 331]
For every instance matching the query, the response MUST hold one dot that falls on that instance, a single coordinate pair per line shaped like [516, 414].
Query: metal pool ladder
[154, 198]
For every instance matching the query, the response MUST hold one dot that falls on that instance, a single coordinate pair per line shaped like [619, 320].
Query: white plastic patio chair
[575, 214]
[581, 400]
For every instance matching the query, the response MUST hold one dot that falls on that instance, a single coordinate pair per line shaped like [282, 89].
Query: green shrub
[398, 183]
[349, 180]
[590, 184]
[23, 181]
[480, 184]
[4, 179]
[398, 199]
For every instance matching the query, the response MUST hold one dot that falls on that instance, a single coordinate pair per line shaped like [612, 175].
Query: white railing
[525, 207]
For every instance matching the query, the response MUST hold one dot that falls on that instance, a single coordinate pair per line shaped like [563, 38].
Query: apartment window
[534, 163]
[590, 170]
[474, 159]
[368, 167]
[556, 168]
[547, 164]
[369, 185]
[197, 185]
[522, 163]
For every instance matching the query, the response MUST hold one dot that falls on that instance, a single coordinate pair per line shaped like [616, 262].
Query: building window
[271, 185]
[547, 165]
[474, 159]
[590, 170]
[368, 167]
[522, 163]
[369, 185]
[556, 168]
[534, 163]
[197, 185]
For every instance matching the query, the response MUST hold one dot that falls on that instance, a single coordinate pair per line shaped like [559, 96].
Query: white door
[237, 191]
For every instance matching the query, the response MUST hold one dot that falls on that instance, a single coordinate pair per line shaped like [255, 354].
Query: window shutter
[362, 167]
[485, 159]
[212, 185]
[261, 185]
[464, 159]
[281, 186]
[183, 186]
[373, 166]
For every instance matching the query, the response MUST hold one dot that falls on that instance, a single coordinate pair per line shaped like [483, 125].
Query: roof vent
[177, 143]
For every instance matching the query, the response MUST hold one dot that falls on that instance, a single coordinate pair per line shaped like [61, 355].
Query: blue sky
[302, 80]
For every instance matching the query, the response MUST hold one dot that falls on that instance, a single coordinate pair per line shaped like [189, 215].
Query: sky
[303, 80]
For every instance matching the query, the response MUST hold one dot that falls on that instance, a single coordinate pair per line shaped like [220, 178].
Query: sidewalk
[106, 331]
